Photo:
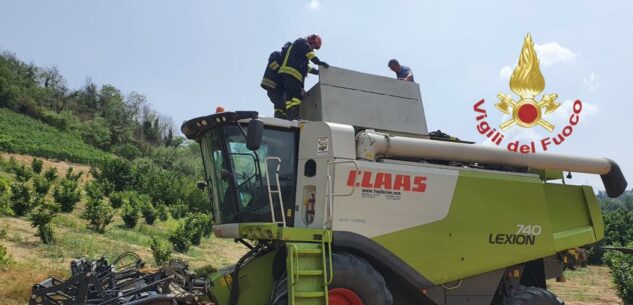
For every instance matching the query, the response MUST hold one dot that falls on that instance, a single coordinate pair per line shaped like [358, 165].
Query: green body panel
[272, 231]
[256, 282]
[487, 210]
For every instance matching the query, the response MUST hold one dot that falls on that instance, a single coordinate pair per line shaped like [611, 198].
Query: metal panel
[365, 100]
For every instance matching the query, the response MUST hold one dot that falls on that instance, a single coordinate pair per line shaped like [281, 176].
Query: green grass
[25, 135]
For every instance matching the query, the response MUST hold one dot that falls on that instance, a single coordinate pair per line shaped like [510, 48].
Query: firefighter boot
[293, 113]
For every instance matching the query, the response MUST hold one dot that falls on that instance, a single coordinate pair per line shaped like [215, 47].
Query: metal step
[310, 294]
[310, 272]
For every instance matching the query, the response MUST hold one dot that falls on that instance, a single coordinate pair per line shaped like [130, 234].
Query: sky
[188, 57]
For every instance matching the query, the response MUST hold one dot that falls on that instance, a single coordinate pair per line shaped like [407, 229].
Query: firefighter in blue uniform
[271, 82]
[295, 68]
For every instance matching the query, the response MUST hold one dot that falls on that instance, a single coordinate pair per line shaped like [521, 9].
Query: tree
[130, 214]
[99, 215]
[67, 194]
[96, 132]
[41, 219]
[21, 196]
[180, 239]
[160, 251]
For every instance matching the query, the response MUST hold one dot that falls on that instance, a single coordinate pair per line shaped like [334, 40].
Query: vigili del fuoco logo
[528, 110]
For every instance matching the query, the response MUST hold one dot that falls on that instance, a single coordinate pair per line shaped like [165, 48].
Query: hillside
[22, 134]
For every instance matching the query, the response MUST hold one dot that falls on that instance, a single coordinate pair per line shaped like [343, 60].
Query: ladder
[308, 272]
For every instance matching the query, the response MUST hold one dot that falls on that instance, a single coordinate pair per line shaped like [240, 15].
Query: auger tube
[371, 145]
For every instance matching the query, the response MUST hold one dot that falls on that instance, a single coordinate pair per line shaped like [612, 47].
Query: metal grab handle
[327, 240]
[357, 168]
[294, 253]
[278, 191]
[329, 208]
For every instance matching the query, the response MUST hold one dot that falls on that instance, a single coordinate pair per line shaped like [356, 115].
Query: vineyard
[25, 135]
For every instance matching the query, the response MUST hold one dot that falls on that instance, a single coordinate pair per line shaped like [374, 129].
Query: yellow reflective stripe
[291, 71]
[310, 68]
[294, 102]
[310, 55]
[273, 65]
[269, 83]
[285, 63]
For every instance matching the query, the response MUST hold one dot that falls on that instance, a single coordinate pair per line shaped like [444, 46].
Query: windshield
[237, 176]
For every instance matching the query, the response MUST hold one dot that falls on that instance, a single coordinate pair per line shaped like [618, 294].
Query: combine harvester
[358, 205]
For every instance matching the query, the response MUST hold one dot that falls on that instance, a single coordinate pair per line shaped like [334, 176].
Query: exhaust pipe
[371, 145]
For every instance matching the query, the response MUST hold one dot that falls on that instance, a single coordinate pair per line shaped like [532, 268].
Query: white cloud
[560, 117]
[314, 5]
[548, 54]
[591, 82]
[551, 53]
[506, 72]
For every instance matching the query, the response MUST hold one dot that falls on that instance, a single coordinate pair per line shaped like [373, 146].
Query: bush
[5, 196]
[127, 151]
[160, 250]
[22, 173]
[67, 194]
[50, 174]
[149, 213]
[98, 214]
[198, 225]
[179, 211]
[116, 171]
[129, 214]
[41, 185]
[180, 239]
[36, 165]
[4, 257]
[41, 219]
[621, 266]
[94, 191]
[71, 175]
[162, 212]
[117, 199]
[21, 196]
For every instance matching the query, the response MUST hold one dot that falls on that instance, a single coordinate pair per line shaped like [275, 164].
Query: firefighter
[295, 68]
[271, 82]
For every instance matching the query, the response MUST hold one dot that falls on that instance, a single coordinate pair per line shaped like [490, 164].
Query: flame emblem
[527, 82]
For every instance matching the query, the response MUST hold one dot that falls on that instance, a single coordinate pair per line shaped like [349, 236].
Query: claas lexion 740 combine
[357, 204]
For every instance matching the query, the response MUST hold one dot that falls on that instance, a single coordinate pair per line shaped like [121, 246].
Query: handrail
[327, 240]
[294, 252]
[278, 191]
[329, 208]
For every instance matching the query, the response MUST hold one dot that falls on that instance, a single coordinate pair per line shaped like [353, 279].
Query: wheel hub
[343, 296]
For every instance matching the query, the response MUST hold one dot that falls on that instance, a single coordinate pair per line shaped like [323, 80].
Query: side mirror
[254, 135]
[202, 185]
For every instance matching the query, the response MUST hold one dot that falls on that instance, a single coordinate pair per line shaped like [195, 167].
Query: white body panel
[385, 200]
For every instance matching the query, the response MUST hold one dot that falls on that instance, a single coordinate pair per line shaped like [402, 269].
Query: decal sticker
[309, 204]
[323, 146]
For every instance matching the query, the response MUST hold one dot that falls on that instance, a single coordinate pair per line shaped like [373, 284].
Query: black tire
[353, 273]
[533, 296]
[356, 274]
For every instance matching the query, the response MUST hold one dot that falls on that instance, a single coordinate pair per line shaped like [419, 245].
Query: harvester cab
[356, 204]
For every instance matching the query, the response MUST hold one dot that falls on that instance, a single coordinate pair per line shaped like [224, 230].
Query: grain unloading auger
[357, 205]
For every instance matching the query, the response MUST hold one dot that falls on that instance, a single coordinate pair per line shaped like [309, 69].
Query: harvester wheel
[533, 296]
[356, 282]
